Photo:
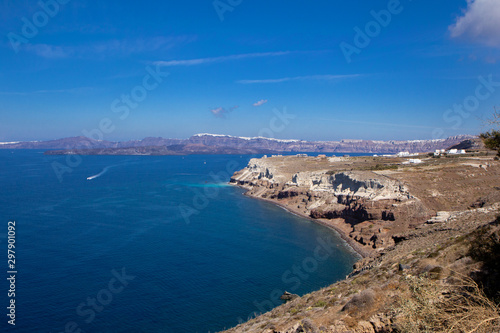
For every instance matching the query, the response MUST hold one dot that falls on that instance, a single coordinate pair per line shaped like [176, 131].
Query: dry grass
[457, 305]
[485, 248]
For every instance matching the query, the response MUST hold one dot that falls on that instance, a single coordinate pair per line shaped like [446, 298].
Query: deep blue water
[192, 254]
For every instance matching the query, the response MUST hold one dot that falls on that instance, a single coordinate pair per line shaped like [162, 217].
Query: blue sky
[323, 70]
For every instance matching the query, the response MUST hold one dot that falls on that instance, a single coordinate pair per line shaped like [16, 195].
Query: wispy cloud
[49, 51]
[218, 112]
[480, 23]
[202, 61]
[114, 47]
[299, 78]
[261, 102]
[221, 112]
[48, 91]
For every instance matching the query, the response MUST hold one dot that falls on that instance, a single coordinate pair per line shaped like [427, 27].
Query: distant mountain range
[226, 144]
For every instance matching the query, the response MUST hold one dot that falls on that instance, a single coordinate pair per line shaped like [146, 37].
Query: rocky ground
[417, 226]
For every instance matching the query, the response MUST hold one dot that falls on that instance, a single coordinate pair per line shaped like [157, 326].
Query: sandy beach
[334, 224]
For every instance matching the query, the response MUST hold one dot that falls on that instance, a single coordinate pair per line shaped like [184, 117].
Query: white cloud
[218, 112]
[298, 78]
[261, 102]
[221, 112]
[480, 23]
[201, 61]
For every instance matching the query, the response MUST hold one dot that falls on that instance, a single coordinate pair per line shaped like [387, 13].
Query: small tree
[491, 139]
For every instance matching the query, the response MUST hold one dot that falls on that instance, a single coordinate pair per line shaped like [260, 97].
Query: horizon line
[228, 135]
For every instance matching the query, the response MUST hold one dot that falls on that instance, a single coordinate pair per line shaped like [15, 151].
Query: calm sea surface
[151, 244]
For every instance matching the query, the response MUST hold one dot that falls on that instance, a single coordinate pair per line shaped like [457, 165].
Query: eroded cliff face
[373, 206]
[423, 224]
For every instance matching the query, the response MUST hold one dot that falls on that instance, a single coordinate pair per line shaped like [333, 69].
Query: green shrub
[379, 167]
[319, 304]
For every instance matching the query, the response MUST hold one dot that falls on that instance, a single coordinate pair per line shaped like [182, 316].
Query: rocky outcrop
[469, 144]
[352, 184]
[288, 296]
[369, 203]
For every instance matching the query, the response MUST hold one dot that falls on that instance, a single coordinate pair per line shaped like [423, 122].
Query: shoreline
[358, 249]
[427, 219]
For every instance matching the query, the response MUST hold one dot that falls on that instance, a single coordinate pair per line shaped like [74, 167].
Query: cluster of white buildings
[438, 152]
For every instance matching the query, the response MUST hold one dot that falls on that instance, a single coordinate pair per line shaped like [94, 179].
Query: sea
[148, 244]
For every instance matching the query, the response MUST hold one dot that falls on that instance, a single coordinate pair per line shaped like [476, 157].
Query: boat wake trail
[102, 172]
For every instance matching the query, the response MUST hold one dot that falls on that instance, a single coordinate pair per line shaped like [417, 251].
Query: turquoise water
[152, 244]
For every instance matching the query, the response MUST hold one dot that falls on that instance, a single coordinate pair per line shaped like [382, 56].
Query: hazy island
[227, 144]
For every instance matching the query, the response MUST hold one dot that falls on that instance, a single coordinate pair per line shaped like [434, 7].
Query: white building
[456, 151]
[413, 161]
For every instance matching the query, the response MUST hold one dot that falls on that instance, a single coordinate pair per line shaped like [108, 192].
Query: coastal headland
[415, 220]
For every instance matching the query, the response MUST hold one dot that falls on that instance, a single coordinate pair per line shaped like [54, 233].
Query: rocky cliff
[357, 197]
[430, 233]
